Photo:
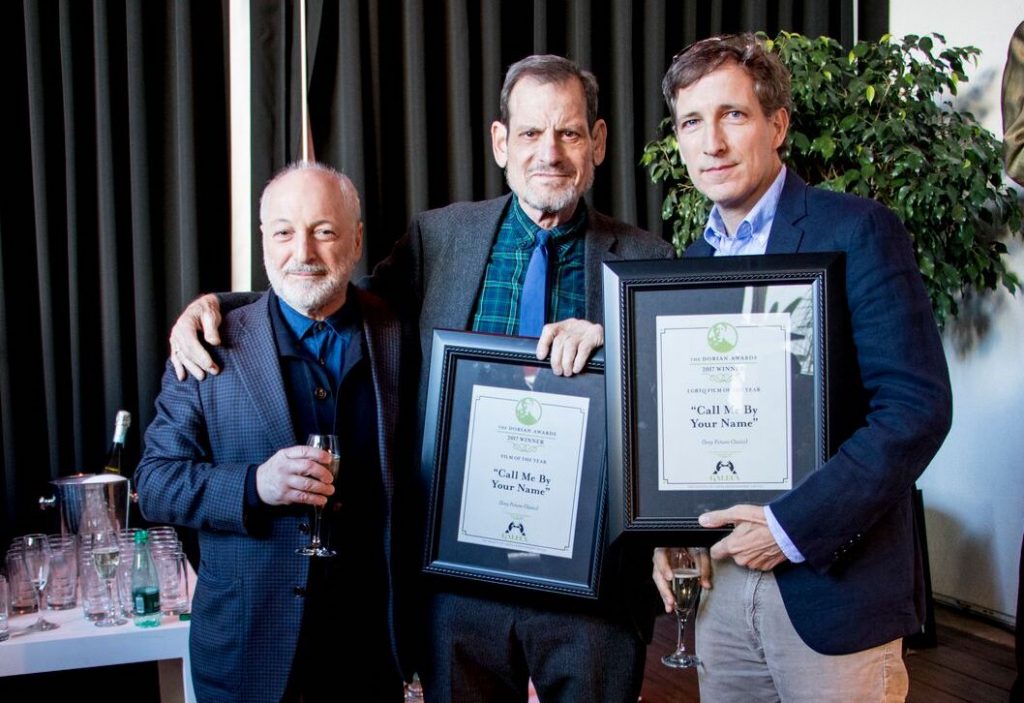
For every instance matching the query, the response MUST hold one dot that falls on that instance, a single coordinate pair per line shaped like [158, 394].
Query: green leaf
[938, 170]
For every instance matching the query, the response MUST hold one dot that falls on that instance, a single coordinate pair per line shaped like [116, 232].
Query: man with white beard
[226, 457]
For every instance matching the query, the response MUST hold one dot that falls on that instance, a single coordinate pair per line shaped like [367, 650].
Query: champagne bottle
[121, 423]
[145, 584]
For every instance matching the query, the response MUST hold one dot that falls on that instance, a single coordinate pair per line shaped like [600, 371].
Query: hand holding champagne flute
[686, 565]
[328, 443]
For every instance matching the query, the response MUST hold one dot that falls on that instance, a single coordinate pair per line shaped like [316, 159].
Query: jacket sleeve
[230, 301]
[905, 387]
[176, 479]
[398, 279]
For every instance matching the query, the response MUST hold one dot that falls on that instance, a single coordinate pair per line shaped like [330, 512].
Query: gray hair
[548, 68]
[349, 194]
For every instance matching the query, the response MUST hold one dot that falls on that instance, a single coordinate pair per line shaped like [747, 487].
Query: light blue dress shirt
[751, 238]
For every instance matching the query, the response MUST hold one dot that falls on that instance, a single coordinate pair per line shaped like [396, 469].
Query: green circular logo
[528, 411]
[722, 337]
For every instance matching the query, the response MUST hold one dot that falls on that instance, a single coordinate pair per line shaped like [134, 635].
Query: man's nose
[551, 147]
[302, 247]
[714, 138]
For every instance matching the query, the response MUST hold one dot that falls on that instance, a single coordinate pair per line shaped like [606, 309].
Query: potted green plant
[869, 121]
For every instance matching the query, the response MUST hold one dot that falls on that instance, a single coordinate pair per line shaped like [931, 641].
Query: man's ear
[499, 143]
[780, 121]
[600, 136]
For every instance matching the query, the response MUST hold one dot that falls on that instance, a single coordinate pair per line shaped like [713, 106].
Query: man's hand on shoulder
[570, 343]
[187, 352]
[751, 543]
[296, 474]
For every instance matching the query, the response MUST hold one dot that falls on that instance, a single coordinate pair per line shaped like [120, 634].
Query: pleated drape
[402, 92]
[114, 214]
[114, 211]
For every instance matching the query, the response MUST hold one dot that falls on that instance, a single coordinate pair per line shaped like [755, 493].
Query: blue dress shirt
[751, 238]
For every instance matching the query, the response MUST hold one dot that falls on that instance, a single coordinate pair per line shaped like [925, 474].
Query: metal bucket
[89, 502]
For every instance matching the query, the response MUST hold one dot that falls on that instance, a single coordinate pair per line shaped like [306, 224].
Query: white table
[79, 644]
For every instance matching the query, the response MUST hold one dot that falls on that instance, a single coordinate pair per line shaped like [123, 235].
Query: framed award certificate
[517, 460]
[720, 375]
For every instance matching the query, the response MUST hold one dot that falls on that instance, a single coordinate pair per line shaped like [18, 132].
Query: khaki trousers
[749, 651]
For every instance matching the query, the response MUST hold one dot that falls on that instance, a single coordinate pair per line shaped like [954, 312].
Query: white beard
[306, 296]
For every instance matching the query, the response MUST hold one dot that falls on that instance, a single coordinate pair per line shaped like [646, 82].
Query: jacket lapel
[786, 235]
[259, 372]
[597, 247]
[383, 339]
[465, 255]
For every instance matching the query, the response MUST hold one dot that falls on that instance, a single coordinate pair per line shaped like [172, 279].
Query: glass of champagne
[106, 555]
[35, 555]
[329, 443]
[686, 565]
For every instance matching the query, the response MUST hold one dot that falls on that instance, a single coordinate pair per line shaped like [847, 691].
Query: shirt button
[304, 528]
[323, 361]
[320, 393]
[319, 327]
[299, 591]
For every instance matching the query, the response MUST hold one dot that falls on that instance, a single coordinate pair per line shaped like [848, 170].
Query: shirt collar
[340, 321]
[562, 233]
[758, 221]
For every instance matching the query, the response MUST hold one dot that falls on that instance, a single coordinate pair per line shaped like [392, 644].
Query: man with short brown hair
[813, 592]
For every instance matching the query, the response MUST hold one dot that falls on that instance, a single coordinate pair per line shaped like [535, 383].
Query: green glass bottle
[122, 421]
[145, 584]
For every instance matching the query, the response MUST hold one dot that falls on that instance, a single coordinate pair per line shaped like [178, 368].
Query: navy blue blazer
[861, 584]
[246, 616]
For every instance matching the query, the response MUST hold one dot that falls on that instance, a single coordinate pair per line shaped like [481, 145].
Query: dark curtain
[402, 94]
[113, 214]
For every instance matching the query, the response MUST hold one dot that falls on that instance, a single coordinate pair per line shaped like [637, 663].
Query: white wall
[974, 490]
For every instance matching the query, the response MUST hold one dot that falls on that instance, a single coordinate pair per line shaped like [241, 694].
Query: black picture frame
[461, 361]
[637, 294]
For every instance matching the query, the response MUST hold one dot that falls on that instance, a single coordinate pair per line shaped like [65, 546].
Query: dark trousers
[485, 650]
[344, 651]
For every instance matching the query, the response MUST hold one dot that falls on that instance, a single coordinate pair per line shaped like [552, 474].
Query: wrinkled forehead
[307, 192]
[533, 95]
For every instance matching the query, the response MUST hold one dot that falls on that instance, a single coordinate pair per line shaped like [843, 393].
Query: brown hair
[770, 76]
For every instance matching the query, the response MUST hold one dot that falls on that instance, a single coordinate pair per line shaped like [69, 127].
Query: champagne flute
[329, 443]
[686, 565]
[35, 555]
[106, 555]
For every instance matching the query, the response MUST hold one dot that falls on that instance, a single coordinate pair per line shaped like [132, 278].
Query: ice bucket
[89, 502]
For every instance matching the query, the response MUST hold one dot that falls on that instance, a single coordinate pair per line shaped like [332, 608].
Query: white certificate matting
[724, 402]
[524, 461]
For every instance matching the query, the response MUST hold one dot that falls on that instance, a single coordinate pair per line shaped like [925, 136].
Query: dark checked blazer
[852, 519]
[205, 436]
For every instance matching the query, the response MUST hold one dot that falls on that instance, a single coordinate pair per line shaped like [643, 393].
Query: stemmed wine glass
[329, 443]
[35, 554]
[686, 564]
[106, 554]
